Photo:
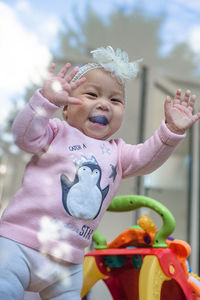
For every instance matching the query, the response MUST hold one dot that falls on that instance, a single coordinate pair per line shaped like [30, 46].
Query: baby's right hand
[58, 88]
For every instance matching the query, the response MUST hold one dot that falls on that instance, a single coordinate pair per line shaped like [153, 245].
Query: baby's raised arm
[178, 112]
[32, 128]
[57, 88]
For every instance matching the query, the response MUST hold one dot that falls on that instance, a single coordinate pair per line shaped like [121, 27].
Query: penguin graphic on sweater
[83, 197]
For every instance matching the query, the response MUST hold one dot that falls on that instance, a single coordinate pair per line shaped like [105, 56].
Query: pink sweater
[71, 179]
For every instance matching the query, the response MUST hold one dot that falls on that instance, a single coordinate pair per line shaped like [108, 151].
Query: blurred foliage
[180, 63]
[136, 33]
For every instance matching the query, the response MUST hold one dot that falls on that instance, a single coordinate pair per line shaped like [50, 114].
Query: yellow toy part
[91, 274]
[151, 279]
[146, 223]
[142, 263]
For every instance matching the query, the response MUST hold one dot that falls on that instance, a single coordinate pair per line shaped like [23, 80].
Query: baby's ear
[65, 112]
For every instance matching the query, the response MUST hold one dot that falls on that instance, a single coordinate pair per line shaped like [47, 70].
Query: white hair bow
[116, 62]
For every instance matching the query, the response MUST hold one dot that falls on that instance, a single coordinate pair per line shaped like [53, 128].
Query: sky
[29, 30]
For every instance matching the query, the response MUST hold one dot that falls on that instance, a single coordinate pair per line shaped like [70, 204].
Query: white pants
[22, 268]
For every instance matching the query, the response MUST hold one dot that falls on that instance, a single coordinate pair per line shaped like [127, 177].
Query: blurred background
[34, 33]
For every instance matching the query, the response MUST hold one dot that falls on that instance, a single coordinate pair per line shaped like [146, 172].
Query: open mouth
[99, 119]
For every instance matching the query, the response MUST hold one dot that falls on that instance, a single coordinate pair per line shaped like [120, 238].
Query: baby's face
[101, 113]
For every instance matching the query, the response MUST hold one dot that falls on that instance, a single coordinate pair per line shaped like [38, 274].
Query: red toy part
[140, 263]
[123, 282]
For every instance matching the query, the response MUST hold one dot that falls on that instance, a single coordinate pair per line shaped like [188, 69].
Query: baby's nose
[103, 104]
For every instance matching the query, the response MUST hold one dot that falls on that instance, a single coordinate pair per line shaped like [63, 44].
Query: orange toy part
[133, 237]
[140, 263]
[182, 250]
[193, 280]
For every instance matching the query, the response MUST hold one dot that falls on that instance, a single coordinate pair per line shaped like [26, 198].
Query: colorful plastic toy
[140, 263]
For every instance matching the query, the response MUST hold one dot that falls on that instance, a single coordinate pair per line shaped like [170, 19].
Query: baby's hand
[178, 113]
[57, 88]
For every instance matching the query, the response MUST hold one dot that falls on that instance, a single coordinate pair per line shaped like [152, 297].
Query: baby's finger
[177, 98]
[186, 98]
[73, 100]
[69, 87]
[51, 69]
[192, 102]
[167, 104]
[64, 70]
[77, 83]
[196, 117]
[72, 74]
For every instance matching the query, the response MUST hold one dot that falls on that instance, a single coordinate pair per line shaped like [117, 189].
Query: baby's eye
[116, 100]
[92, 94]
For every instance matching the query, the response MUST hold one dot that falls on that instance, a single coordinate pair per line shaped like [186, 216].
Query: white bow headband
[116, 62]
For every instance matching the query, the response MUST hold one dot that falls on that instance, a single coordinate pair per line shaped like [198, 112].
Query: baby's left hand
[178, 113]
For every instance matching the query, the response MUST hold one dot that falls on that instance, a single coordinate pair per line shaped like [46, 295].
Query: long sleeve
[71, 185]
[145, 158]
[32, 129]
